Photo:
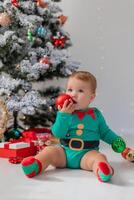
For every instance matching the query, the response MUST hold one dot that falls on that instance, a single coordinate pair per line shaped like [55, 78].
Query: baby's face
[81, 93]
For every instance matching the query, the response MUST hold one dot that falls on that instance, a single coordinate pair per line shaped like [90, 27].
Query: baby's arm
[63, 120]
[106, 134]
[61, 125]
[110, 137]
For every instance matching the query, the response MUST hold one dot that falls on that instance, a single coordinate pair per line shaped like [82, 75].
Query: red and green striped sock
[104, 172]
[31, 166]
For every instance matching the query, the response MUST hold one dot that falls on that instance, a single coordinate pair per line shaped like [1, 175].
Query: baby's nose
[73, 94]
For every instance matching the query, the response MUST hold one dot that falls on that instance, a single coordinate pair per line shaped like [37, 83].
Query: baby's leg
[51, 155]
[97, 162]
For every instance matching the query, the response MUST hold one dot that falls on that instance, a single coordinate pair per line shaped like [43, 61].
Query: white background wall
[102, 32]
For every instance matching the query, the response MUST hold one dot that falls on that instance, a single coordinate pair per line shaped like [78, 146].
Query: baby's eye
[69, 90]
[81, 90]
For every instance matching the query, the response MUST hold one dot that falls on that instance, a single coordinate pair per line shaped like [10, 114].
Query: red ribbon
[59, 41]
[31, 134]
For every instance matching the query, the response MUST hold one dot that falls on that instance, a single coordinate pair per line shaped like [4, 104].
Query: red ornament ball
[62, 98]
[44, 60]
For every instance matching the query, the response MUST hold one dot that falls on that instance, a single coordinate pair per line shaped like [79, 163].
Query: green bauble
[119, 145]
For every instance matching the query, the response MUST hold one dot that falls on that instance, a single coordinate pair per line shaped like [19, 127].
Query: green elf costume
[81, 132]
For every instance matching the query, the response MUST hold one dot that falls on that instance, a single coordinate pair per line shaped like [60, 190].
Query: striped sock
[104, 172]
[31, 166]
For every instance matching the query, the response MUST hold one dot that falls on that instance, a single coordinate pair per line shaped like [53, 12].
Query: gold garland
[3, 118]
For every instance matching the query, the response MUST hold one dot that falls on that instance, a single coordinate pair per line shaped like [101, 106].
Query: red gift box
[17, 149]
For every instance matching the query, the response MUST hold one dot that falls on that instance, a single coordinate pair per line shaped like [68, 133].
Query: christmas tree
[33, 49]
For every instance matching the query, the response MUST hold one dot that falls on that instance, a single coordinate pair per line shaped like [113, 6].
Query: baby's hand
[68, 107]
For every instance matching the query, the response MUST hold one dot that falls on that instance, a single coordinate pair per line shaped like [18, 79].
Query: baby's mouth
[74, 101]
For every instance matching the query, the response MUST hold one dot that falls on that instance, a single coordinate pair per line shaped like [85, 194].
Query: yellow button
[79, 132]
[80, 126]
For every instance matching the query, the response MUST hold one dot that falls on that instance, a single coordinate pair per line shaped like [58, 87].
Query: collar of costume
[81, 114]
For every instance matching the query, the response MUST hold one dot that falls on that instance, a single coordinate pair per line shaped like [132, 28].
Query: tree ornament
[119, 145]
[5, 19]
[42, 3]
[14, 133]
[62, 98]
[15, 3]
[17, 66]
[128, 154]
[3, 118]
[58, 42]
[62, 19]
[41, 32]
[21, 50]
[30, 35]
[44, 60]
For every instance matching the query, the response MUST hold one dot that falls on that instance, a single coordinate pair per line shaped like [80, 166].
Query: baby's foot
[31, 166]
[104, 172]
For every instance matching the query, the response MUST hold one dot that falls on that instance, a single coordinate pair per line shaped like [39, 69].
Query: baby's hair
[87, 77]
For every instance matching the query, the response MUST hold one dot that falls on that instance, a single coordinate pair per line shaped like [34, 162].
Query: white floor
[67, 184]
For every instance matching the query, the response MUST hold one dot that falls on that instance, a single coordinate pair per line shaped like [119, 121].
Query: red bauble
[44, 60]
[59, 42]
[125, 152]
[15, 3]
[61, 99]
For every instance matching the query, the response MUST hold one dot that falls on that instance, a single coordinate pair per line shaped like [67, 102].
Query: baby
[79, 129]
